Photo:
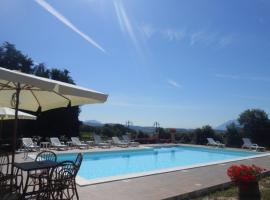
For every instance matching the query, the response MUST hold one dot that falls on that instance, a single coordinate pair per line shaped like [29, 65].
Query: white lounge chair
[28, 145]
[212, 142]
[119, 143]
[100, 143]
[55, 142]
[249, 145]
[130, 142]
[76, 142]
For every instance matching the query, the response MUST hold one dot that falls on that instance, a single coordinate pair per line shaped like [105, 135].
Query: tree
[163, 134]
[200, 134]
[13, 59]
[184, 137]
[233, 137]
[255, 125]
[61, 75]
[41, 70]
[52, 122]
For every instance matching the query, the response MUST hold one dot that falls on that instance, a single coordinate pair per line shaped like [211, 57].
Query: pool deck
[171, 186]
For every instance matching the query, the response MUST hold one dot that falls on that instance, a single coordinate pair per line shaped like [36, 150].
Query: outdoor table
[45, 145]
[32, 166]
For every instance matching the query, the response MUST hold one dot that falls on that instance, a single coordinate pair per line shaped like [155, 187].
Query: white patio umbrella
[28, 92]
[9, 114]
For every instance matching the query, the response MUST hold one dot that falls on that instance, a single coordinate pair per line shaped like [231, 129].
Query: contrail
[125, 23]
[65, 21]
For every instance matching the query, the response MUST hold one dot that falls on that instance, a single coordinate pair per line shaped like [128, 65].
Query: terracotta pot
[249, 191]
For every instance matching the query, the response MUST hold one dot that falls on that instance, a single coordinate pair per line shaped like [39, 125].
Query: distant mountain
[223, 127]
[93, 123]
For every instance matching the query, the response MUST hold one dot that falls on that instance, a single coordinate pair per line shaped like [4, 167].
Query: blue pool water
[105, 164]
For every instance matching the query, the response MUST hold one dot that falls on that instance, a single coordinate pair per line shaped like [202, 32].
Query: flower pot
[249, 191]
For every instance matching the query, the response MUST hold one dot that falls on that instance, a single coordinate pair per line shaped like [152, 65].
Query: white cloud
[203, 37]
[174, 83]
[147, 30]
[169, 34]
[196, 37]
[125, 23]
[65, 21]
[172, 34]
[211, 38]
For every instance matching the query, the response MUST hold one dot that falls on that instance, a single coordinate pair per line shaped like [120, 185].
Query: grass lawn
[231, 193]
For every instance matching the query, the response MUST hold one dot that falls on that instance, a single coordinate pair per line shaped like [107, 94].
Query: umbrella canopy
[9, 113]
[37, 93]
[28, 92]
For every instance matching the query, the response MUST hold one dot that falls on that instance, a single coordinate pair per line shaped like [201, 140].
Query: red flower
[243, 174]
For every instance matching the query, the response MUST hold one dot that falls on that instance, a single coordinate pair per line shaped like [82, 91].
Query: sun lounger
[77, 143]
[100, 143]
[249, 145]
[212, 142]
[28, 145]
[119, 143]
[130, 142]
[55, 143]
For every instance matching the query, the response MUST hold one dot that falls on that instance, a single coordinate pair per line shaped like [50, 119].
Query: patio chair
[78, 163]
[249, 145]
[100, 143]
[130, 142]
[61, 182]
[76, 142]
[44, 155]
[119, 143]
[212, 142]
[5, 190]
[9, 182]
[55, 142]
[28, 146]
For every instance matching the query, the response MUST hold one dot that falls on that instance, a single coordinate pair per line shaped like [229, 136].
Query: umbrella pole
[14, 138]
[1, 129]
[18, 89]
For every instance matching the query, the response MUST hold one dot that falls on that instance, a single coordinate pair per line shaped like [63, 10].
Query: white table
[45, 145]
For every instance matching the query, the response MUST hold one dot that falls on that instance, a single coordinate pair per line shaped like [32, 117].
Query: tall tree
[41, 70]
[200, 134]
[233, 136]
[13, 59]
[256, 125]
[61, 75]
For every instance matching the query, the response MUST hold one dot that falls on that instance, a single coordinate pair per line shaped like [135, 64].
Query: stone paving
[172, 185]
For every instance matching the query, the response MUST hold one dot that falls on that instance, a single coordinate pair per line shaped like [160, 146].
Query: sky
[182, 63]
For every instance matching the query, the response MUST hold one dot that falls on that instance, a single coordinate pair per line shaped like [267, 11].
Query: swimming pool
[106, 165]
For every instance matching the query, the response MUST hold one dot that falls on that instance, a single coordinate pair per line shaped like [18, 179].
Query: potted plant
[246, 178]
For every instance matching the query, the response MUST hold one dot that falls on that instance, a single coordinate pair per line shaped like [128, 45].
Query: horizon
[183, 63]
[220, 127]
